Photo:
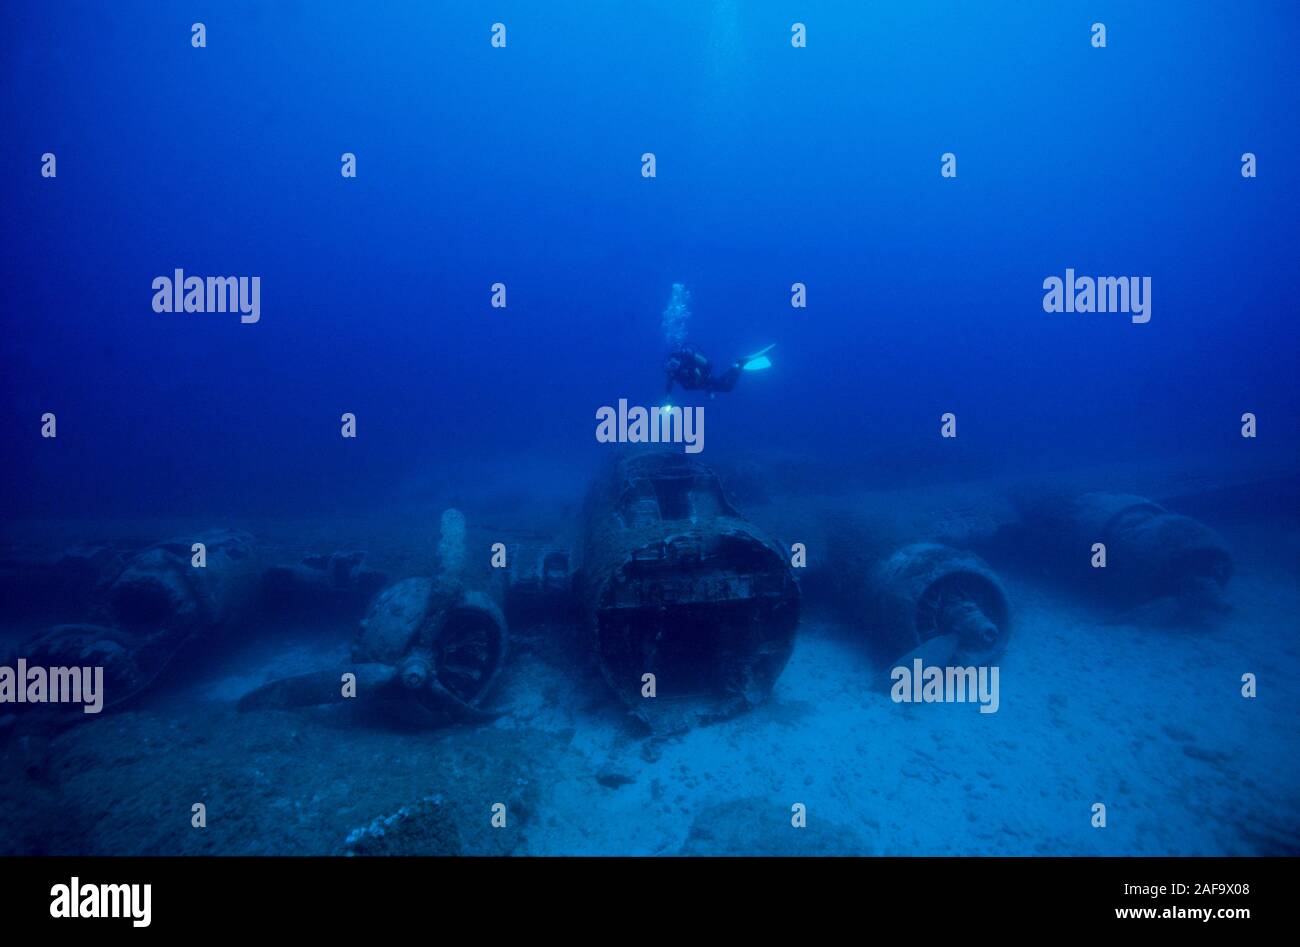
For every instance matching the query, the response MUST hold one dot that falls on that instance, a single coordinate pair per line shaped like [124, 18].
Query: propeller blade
[318, 687]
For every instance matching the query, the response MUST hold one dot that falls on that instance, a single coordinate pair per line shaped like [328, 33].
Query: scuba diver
[689, 368]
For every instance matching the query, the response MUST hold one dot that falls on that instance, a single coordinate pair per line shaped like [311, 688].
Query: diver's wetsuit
[688, 368]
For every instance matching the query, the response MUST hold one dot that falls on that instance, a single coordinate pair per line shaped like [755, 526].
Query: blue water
[774, 165]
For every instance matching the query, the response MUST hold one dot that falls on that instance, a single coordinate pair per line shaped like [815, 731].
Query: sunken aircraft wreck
[136, 610]
[438, 641]
[902, 596]
[1150, 554]
[691, 609]
[927, 593]
[687, 609]
[897, 583]
[157, 605]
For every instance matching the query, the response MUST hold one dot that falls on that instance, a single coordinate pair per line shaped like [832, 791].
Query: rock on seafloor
[422, 828]
[755, 826]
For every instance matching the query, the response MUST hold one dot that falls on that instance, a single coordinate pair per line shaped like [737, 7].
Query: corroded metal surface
[439, 640]
[925, 591]
[1151, 553]
[675, 583]
[158, 604]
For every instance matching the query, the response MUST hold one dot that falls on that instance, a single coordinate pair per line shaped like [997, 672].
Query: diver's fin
[758, 361]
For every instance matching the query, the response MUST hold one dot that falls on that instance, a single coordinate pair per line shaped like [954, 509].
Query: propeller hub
[415, 672]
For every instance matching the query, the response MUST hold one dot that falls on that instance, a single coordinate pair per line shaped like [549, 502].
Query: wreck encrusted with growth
[895, 593]
[675, 583]
[135, 610]
[440, 641]
[928, 591]
[1150, 553]
[158, 604]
